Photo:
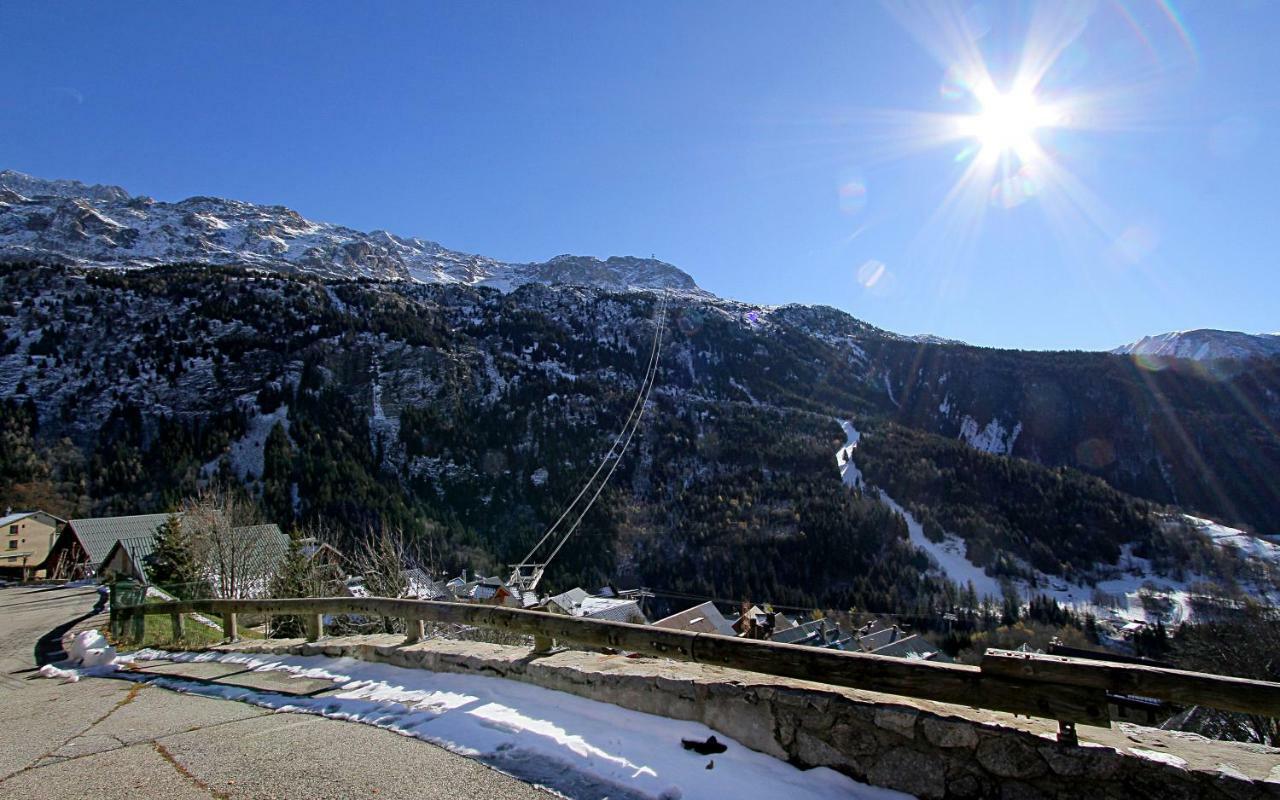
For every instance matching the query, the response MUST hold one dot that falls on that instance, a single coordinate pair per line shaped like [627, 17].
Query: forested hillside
[468, 418]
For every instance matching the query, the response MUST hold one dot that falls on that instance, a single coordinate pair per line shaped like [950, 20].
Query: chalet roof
[570, 599]
[15, 516]
[269, 546]
[98, 534]
[877, 639]
[911, 646]
[704, 618]
[422, 587]
[610, 608]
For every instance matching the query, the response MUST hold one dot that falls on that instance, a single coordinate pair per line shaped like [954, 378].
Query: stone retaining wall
[931, 750]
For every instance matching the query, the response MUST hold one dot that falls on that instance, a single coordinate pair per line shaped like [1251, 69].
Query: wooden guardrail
[1069, 690]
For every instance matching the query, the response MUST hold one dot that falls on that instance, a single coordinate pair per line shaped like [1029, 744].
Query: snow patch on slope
[849, 472]
[948, 555]
[991, 439]
[246, 454]
[1245, 544]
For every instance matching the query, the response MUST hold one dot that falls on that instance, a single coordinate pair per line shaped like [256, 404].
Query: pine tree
[174, 565]
[296, 578]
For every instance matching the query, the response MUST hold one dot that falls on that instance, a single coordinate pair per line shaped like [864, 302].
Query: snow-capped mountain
[64, 221]
[1205, 344]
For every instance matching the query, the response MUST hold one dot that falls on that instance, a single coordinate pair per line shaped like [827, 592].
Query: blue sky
[771, 154]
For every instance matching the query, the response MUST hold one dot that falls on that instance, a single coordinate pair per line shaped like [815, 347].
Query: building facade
[27, 538]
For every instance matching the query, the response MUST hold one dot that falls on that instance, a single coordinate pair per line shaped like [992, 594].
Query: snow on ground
[581, 748]
[744, 390]
[888, 387]
[1248, 546]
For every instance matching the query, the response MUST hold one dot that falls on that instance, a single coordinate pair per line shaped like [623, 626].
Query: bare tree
[233, 557]
[387, 561]
[1245, 644]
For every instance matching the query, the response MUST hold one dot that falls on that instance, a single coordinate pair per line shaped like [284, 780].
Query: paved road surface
[105, 738]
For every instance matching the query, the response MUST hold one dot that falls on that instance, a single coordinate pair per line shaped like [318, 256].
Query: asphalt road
[106, 738]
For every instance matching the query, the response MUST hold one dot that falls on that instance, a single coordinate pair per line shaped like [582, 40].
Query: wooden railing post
[315, 627]
[176, 619]
[543, 644]
[229, 627]
[415, 630]
[139, 625]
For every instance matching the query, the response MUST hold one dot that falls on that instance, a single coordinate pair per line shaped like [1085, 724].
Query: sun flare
[1008, 122]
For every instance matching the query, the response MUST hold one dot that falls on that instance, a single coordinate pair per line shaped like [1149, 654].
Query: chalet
[113, 548]
[490, 591]
[28, 537]
[705, 618]
[898, 643]
[815, 633]
[577, 603]
[84, 544]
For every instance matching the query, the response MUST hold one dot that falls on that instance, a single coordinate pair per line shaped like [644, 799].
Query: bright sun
[1008, 122]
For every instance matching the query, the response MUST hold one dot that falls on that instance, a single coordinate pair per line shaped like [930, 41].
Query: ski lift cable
[643, 398]
[642, 395]
[618, 460]
[610, 453]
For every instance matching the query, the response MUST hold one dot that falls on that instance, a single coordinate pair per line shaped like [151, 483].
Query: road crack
[186, 773]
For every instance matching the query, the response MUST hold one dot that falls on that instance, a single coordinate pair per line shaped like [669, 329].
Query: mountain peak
[33, 187]
[1205, 344]
[66, 221]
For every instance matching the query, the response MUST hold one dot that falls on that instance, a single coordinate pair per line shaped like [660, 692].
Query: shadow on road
[49, 647]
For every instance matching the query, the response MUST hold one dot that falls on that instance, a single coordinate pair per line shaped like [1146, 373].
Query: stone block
[1076, 762]
[948, 733]
[1009, 757]
[901, 721]
[910, 771]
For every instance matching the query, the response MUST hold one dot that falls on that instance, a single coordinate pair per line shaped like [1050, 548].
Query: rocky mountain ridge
[1205, 344]
[68, 222]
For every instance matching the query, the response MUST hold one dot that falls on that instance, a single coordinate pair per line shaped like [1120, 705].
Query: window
[13, 530]
[13, 544]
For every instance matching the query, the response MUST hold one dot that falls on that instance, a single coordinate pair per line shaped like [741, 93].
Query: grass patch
[157, 632]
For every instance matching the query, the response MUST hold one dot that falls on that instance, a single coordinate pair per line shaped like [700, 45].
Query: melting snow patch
[849, 472]
[991, 439]
[579, 747]
[949, 554]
